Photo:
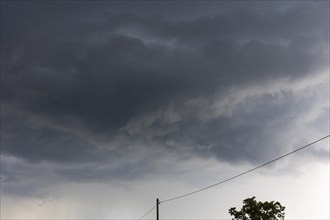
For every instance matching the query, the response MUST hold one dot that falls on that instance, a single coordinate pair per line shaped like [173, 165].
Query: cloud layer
[109, 89]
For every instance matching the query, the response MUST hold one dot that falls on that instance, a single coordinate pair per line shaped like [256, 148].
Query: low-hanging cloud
[234, 85]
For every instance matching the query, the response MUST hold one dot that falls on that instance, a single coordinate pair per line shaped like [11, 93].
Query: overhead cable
[147, 212]
[246, 172]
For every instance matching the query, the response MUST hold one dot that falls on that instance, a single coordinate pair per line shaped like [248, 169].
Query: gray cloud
[98, 84]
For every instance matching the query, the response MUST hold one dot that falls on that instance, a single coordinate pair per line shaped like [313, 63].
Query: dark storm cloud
[91, 83]
[48, 144]
[259, 23]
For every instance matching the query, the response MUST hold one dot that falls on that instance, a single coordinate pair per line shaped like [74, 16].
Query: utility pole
[157, 203]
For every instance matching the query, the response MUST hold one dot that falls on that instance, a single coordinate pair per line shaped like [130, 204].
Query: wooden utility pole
[157, 202]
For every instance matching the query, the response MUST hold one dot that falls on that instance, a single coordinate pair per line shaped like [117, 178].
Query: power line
[148, 212]
[241, 174]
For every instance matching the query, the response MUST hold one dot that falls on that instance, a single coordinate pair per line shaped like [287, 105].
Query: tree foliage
[253, 210]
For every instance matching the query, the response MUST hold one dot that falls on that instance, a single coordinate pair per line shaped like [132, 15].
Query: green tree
[253, 210]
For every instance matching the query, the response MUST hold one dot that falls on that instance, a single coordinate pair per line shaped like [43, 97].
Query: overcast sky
[108, 105]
